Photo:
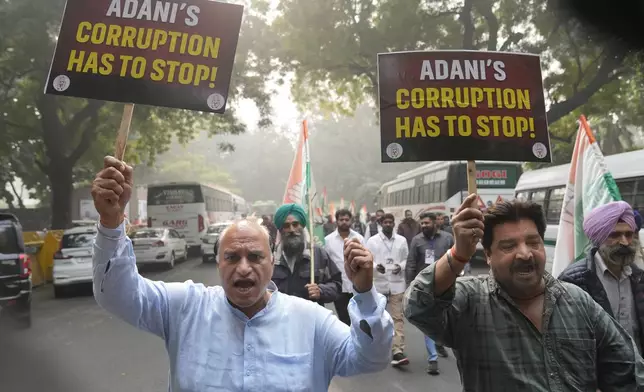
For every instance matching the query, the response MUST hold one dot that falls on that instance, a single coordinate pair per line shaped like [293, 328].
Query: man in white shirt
[334, 244]
[390, 253]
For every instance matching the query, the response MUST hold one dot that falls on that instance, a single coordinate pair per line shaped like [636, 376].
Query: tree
[345, 158]
[258, 166]
[331, 46]
[184, 167]
[53, 142]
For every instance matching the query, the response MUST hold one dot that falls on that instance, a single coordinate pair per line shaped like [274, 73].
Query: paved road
[76, 346]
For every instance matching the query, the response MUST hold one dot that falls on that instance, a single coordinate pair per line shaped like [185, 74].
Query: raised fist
[111, 190]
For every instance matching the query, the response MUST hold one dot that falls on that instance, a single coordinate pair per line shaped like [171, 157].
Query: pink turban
[601, 221]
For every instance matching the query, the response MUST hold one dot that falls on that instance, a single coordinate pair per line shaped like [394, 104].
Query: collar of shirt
[352, 234]
[553, 290]
[601, 265]
[272, 304]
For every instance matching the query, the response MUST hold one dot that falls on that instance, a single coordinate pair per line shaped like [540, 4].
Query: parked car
[210, 239]
[73, 261]
[15, 272]
[159, 245]
[83, 222]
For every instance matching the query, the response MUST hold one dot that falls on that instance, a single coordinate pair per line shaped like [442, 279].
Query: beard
[293, 243]
[618, 255]
[428, 231]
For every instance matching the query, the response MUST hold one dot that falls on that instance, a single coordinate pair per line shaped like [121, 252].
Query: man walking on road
[408, 228]
[519, 329]
[425, 249]
[244, 335]
[292, 270]
[374, 227]
[328, 226]
[390, 253]
[334, 245]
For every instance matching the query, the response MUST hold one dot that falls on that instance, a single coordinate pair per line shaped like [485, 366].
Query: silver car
[159, 246]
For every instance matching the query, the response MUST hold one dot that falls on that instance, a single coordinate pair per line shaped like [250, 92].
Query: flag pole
[311, 223]
[305, 131]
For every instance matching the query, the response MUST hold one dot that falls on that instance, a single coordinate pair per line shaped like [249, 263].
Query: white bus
[241, 207]
[190, 207]
[442, 186]
[547, 187]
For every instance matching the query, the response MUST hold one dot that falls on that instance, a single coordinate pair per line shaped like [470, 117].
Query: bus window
[539, 197]
[626, 187]
[174, 194]
[638, 203]
[555, 202]
[627, 190]
[522, 196]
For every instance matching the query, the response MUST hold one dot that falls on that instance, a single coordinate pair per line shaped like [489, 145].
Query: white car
[73, 261]
[159, 246]
[209, 240]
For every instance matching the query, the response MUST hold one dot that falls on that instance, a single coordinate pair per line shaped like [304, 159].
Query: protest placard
[462, 105]
[161, 53]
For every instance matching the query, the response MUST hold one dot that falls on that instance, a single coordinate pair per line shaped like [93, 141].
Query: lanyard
[383, 238]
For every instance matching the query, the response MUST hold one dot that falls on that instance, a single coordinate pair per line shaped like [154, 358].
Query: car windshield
[148, 234]
[215, 229]
[78, 240]
[9, 240]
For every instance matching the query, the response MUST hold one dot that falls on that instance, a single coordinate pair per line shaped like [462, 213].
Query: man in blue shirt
[244, 335]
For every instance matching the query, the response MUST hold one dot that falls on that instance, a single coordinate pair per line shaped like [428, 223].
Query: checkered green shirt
[498, 349]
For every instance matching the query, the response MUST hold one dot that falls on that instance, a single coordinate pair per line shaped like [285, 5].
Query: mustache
[523, 265]
[623, 250]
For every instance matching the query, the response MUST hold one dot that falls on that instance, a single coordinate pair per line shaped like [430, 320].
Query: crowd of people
[264, 329]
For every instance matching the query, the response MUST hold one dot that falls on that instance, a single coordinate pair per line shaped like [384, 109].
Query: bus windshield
[174, 194]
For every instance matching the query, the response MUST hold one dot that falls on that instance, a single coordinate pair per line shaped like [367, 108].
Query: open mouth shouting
[244, 285]
[525, 269]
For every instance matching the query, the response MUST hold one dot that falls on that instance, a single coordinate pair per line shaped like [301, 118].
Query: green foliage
[181, 167]
[345, 159]
[331, 47]
[52, 142]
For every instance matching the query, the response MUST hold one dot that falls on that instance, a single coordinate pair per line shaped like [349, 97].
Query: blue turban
[638, 220]
[289, 209]
[601, 221]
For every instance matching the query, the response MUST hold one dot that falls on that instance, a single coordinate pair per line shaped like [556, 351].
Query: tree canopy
[331, 47]
[53, 142]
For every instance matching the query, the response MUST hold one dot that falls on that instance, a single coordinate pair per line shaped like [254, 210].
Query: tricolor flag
[341, 202]
[590, 185]
[332, 211]
[352, 207]
[363, 214]
[324, 199]
[300, 183]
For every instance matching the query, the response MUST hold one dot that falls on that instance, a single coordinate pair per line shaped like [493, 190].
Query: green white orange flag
[363, 214]
[300, 184]
[590, 185]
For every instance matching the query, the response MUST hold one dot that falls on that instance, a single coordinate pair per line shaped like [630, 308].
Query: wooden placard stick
[471, 177]
[124, 131]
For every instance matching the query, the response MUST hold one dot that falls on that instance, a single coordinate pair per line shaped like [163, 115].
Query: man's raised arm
[364, 347]
[118, 287]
